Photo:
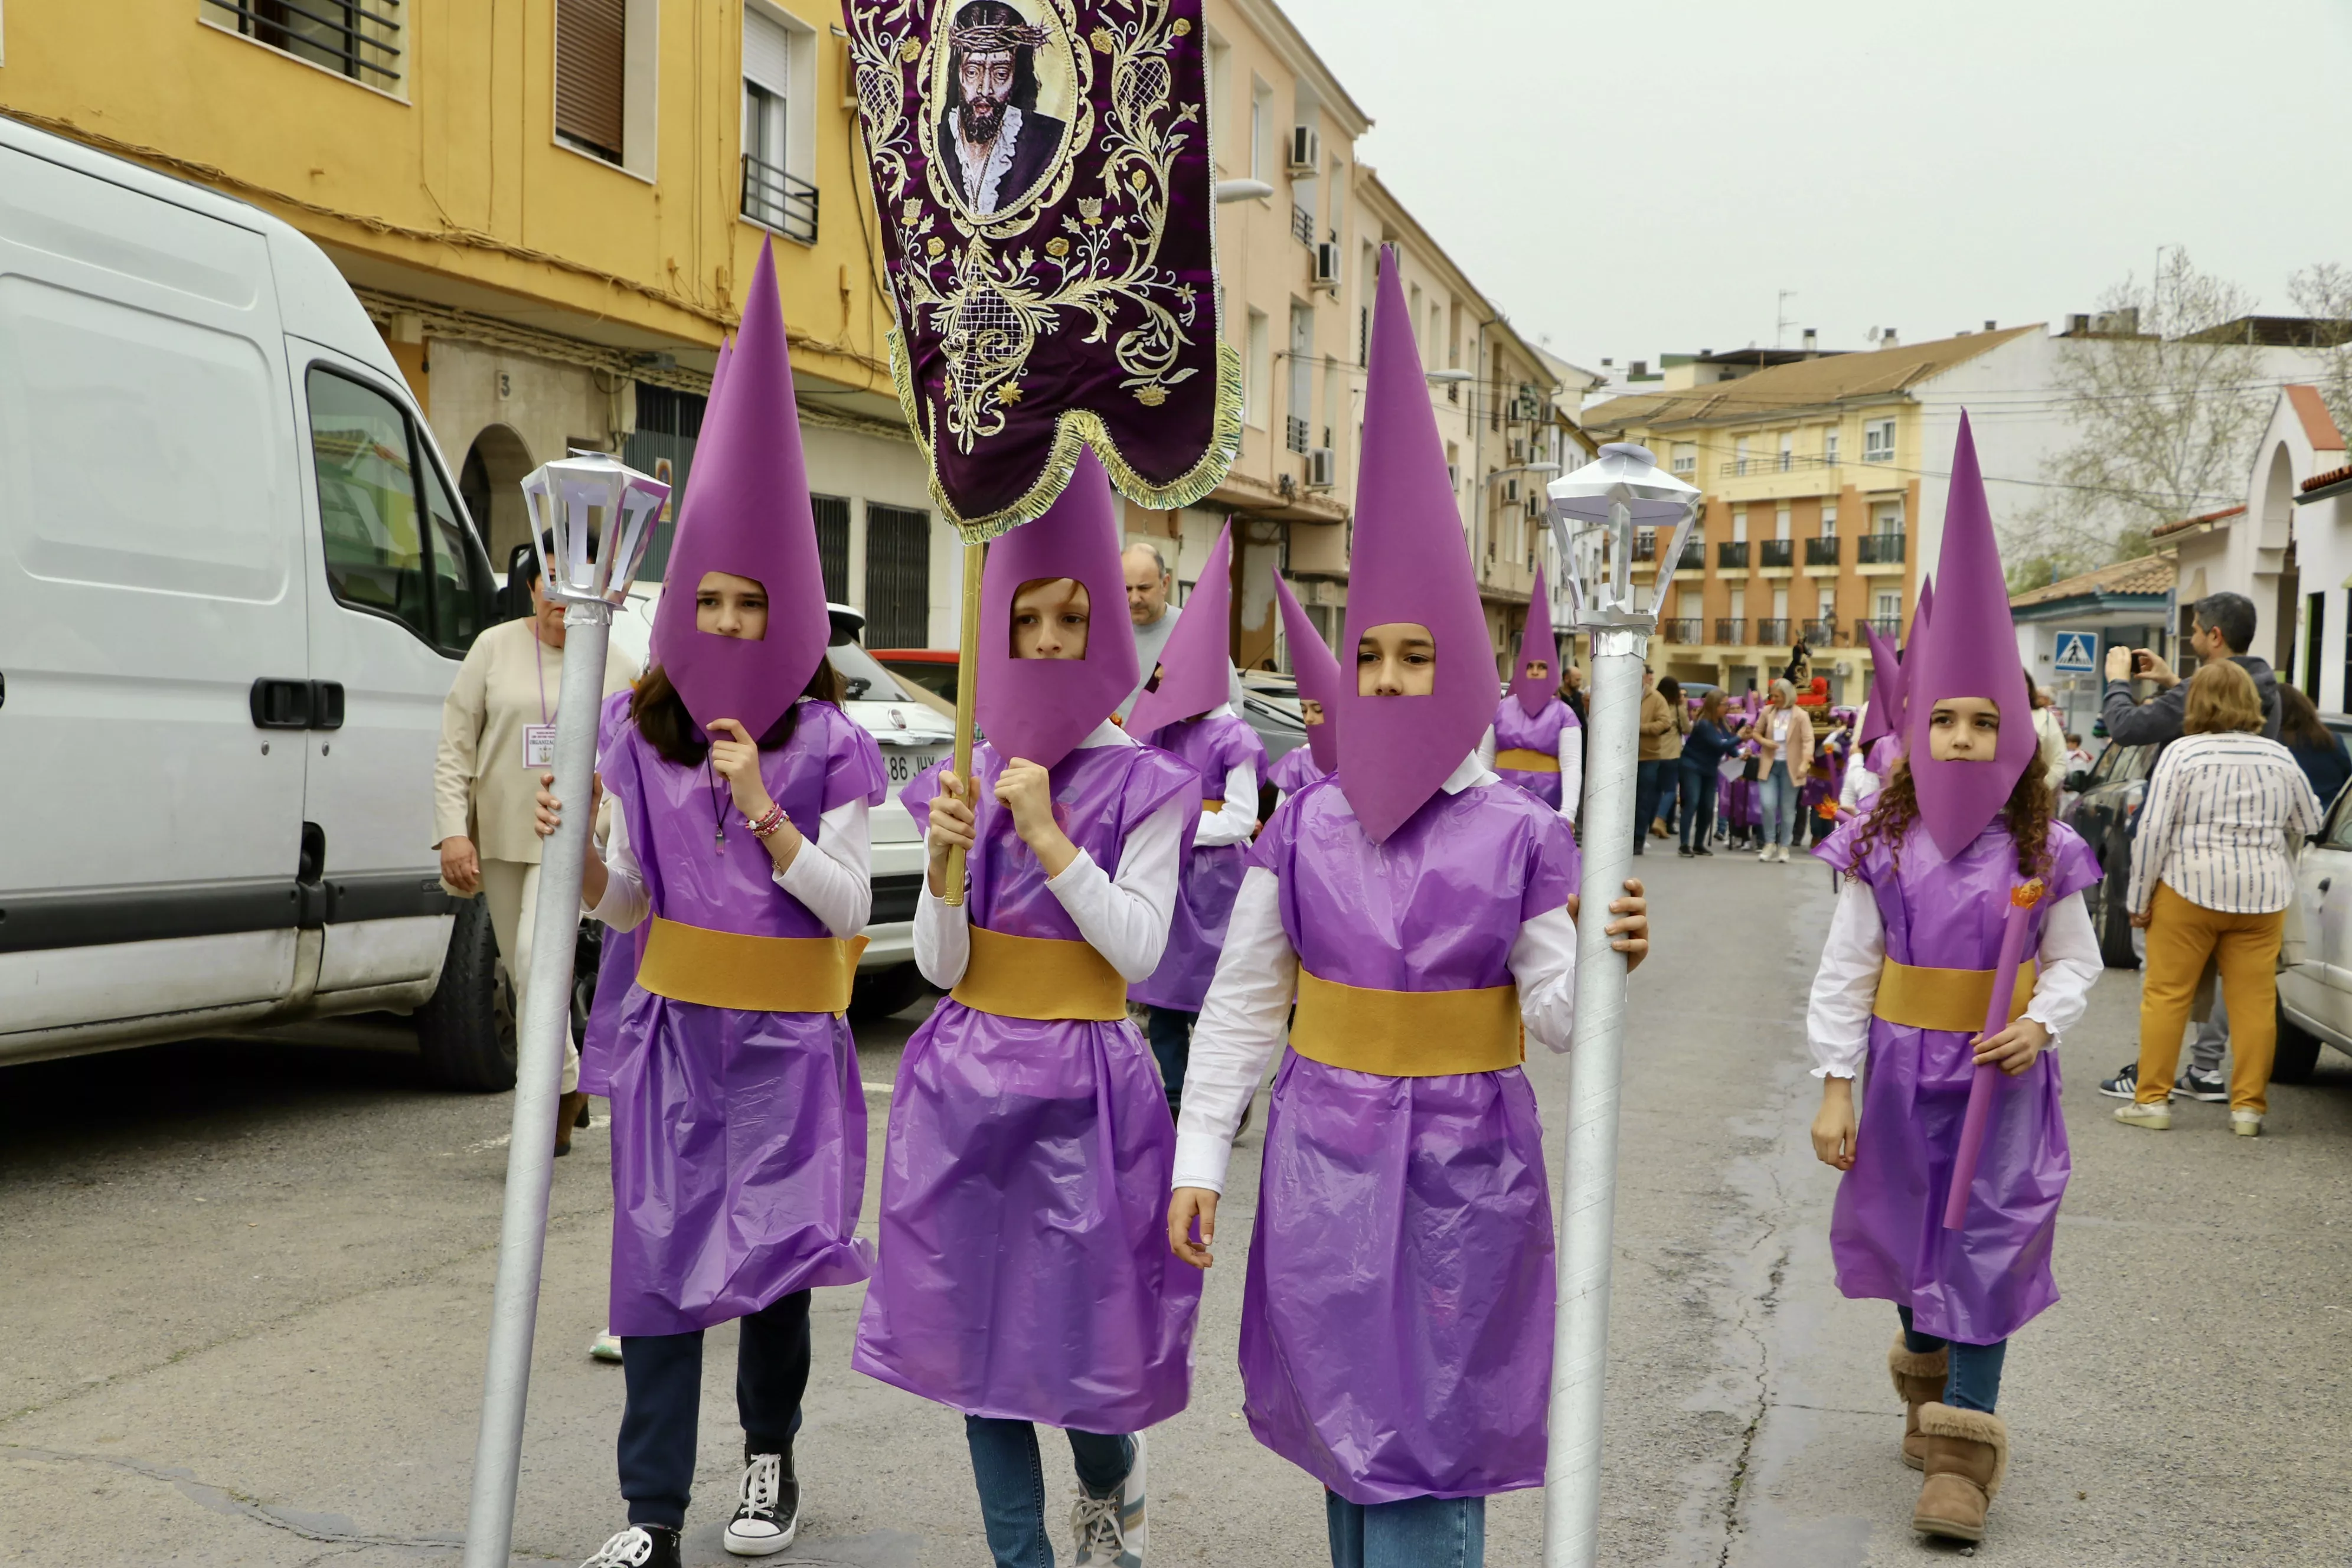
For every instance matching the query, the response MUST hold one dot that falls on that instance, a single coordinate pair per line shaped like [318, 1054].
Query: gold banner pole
[967, 680]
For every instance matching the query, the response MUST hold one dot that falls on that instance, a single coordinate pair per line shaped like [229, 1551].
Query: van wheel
[2298, 1054]
[883, 992]
[466, 1030]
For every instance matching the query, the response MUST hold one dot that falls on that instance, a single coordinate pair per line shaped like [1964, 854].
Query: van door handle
[2323, 882]
[326, 705]
[280, 704]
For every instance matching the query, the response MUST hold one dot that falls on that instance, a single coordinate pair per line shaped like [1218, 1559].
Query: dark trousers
[1698, 783]
[1171, 1045]
[1670, 782]
[1649, 777]
[1011, 1475]
[664, 1373]
[1973, 1382]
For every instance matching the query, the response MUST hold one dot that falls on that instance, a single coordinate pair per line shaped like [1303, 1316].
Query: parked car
[2107, 798]
[2315, 981]
[928, 672]
[233, 555]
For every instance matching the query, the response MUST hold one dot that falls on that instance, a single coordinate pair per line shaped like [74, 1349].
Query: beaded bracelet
[766, 827]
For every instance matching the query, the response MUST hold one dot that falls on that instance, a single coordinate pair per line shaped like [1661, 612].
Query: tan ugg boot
[1918, 1380]
[1967, 1456]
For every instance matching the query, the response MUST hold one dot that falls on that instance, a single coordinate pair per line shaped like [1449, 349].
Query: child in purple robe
[1186, 710]
[1021, 1276]
[1906, 982]
[1317, 673]
[1397, 1314]
[738, 869]
[1535, 741]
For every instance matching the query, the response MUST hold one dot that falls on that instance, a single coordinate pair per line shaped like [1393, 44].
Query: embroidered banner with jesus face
[1042, 170]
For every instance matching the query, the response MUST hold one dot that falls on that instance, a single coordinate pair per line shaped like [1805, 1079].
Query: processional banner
[1042, 174]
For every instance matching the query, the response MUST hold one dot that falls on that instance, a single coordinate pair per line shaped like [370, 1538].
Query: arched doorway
[490, 484]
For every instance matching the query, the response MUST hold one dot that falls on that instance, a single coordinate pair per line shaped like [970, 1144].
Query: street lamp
[1594, 512]
[592, 517]
[1242, 190]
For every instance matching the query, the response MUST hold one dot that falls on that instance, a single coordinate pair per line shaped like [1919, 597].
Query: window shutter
[833, 546]
[767, 54]
[590, 49]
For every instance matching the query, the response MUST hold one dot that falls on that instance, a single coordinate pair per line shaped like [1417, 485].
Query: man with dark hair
[998, 145]
[2221, 626]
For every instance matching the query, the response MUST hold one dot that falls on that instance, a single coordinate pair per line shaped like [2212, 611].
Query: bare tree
[2324, 292]
[2163, 422]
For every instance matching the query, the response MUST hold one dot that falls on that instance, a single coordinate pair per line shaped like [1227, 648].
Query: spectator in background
[1661, 750]
[2049, 737]
[1572, 685]
[498, 735]
[2213, 873]
[1670, 777]
[1709, 742]
[2222, 627]
[1784, 752]
[1148, 579]
[2317, 749]
[2077, 754]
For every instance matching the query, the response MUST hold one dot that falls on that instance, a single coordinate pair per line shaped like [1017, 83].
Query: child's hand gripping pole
[1987, 1082]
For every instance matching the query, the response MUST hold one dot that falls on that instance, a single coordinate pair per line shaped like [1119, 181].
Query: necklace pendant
[719, 838]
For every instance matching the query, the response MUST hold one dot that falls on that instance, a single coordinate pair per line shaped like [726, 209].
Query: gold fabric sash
[1407, 1034]
[1952, 999]
[1039, 977]
[1519, 759]
[749, 973]
[1210, 808]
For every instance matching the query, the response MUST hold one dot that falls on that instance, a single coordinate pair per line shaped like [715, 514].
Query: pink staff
[2021, 901]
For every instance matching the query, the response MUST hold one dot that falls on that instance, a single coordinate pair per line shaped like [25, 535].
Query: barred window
[361, 40]
[898, 576]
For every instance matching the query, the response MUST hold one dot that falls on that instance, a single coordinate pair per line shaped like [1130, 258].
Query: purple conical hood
[1317, 672]
[1040, 709]
[1883, 715]
[747, 513]
[1536, 642]
[1196, 662]
[1967, 650]
[1410, 564]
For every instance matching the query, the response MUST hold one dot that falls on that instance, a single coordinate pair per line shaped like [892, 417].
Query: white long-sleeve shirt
[1245, 1018]
[835, 882]
[1235, 822]
[1125, 918]
[1571, 765]
[1845, 988]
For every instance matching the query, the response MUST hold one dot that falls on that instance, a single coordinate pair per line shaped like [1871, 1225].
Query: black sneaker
[2198, 1083]
[1687, 852]
[1702, 849]
[639, 1546]
[768, 1513]
[2124, 1085]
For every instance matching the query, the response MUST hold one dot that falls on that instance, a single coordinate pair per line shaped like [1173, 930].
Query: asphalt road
[244, 1290]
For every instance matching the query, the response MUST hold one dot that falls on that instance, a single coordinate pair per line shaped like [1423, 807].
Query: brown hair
[2299, 721]
[660, 715]
[2027, 817]
[1710, 709]
[2221, 698]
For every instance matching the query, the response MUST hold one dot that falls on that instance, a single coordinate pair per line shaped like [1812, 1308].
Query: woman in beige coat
[1784, 752]
[498, 735]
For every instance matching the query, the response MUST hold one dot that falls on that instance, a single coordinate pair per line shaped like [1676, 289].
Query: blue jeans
[1776, 804]
[1974, 1381]
[1170, 1033]
[1012, 1479]
[1419, 1532]
[1670, 780]
[1698, 782]
[1649, 778]
[664, 1377]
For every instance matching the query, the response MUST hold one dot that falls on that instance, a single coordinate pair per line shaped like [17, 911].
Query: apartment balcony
[1773, 632]
[1879, 549]
[1778, 553]
[776, 200]
[1821, 552]
[1818, 634]
[1769, 477]
[1885, 625]
[1731, 629]
[1682, 628]
[1731, 556]
[1773, 463]
[1295, 434]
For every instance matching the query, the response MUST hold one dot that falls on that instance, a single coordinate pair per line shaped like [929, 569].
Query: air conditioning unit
[1306, 151]
[1326, 265]
[1322, 468]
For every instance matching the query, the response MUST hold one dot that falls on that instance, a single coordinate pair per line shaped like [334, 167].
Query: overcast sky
[1920, 167]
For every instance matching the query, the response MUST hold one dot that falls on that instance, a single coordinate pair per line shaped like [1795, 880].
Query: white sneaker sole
[760, 1545]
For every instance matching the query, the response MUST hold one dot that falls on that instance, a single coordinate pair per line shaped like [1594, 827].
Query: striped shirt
[2224, 818]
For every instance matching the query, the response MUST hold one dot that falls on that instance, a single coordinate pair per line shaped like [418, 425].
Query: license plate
[905, 762]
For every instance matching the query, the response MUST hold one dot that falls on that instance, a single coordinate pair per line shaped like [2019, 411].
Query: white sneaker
[605, 1346]
[2246, 1123]
[1764, 856]
[1110, 1530]
[638, 1547]
[769, 1514]
[2156, 1118]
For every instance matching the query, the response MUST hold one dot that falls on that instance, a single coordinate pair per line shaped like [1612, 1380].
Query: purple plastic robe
[1982, 1284]
[1513, 731]
[738, 1139]
[1294, 770]
[1024, 1267]
[1210, 745]
[618, 950]
[1396, 1319]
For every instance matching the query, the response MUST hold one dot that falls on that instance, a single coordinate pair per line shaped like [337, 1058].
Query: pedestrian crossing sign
[2078, 653]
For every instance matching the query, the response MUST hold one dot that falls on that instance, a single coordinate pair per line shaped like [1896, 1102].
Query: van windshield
[862, 679]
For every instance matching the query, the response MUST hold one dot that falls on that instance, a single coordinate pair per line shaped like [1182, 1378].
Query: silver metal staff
[591, 518]
[1594, 513]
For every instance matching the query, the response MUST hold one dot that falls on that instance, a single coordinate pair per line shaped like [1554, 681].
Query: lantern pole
[1623, 487]
[975, 555]
[587, 589]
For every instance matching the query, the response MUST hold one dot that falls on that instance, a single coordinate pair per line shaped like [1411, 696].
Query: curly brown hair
[2027, 817]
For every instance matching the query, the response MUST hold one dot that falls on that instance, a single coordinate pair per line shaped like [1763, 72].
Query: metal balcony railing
[1777, 551]
[785, 203]
[1886, 625]
[1821, 552]
[1294, 433]
[1818, 634]
[1693, 556]
[1773, 632]
[1645, 544]
[1731, 629]
[1879, 549]
[1302, 226]
[341, 35]
[1681, 629]
[1772, 463]
[1731, 555]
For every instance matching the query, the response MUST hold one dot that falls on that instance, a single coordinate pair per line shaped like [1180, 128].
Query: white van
[235, 586]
